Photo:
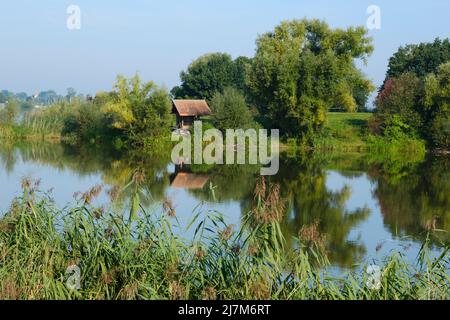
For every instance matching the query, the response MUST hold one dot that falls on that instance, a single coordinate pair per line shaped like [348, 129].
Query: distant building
[187, 111]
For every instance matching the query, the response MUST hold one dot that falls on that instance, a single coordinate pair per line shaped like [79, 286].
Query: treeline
[300, 71]
[27, 102]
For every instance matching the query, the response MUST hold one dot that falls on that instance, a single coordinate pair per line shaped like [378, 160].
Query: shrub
[397, 105]
[230, 110]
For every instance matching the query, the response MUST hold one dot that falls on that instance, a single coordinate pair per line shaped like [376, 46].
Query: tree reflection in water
[414, 194]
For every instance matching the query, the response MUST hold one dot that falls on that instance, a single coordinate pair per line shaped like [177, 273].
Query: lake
[362, 206]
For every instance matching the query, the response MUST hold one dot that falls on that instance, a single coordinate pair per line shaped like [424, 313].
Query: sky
[159, 39]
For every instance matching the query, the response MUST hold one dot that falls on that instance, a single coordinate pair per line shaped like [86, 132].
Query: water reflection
[417, 201]
[408, 196]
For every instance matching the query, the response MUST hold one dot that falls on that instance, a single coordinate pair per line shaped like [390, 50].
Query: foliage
[209, 74]
[85, 122]
[420, 59]
[415, 107]
[436, 110]
[397, 106]
[353, 132]
[230, 110]
[138, 110]
[298, 69]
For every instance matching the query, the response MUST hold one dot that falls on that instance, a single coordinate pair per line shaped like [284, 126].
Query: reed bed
[43, 249]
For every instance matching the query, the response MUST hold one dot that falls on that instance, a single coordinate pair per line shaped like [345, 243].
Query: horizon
[159, 40]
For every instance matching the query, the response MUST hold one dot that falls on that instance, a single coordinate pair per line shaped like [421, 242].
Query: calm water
[364, 206]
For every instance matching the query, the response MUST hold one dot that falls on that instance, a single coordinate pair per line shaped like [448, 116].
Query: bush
[397, 105]
[86, 123]
[230, 111]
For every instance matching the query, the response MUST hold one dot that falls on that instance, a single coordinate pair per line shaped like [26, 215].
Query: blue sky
[160, 38]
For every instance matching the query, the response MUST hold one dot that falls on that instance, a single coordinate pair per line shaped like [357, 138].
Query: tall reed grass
[145, 258]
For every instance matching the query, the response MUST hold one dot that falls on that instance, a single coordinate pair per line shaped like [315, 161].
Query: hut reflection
[182, 178]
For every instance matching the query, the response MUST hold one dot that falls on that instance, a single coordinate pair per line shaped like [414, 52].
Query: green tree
[230, 110]
[436, 107]
[242, 64]
[139, 110]
[420, 59]
[298, 70]
[209, 74]
[397, 107]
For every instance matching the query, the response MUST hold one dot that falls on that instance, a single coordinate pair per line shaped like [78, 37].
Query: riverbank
[83, 252]
[351, 132]
[343, 132]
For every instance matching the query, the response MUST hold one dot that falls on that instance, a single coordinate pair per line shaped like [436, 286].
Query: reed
[147, 258]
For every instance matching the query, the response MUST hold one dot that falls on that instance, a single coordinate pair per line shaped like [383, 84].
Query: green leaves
[211, 73]
[230, 110]
[140, 110]
[303, 68]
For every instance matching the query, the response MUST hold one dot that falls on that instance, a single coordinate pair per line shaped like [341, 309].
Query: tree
[71, 93]
[209, 74]
[138, 110]
[230, 110]
[300, 68]
[426, 65]
[397, 106]
[242, 64]
[436, 107]
[360, 88]
[420, 59]
[48, 97]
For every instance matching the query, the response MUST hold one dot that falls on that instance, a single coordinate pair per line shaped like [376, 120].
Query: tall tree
[300, 68]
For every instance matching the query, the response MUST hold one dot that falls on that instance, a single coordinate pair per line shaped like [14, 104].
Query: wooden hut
[187, 111]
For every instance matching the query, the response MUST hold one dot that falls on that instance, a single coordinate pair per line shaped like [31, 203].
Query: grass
[350, 132]
[141, 256]
[37, 125]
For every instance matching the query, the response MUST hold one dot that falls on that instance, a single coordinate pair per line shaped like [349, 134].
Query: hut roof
[189, 181]
[191, 107]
